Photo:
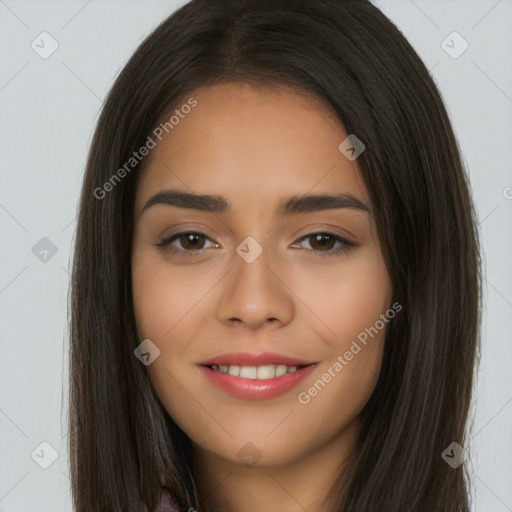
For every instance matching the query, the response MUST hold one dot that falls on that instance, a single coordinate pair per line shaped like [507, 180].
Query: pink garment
[165, 504]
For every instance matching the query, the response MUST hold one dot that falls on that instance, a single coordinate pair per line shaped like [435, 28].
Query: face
[256, 285]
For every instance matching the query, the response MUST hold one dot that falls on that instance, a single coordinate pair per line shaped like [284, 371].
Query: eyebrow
[288, 206]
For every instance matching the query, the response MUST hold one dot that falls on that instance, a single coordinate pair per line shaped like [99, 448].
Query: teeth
[281, 370]
[234, 370]
[266, 372]
[249, 372]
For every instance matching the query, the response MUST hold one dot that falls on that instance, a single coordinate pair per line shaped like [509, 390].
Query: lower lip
[253, 389]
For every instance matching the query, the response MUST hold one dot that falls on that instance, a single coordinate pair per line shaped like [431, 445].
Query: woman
[219, 354]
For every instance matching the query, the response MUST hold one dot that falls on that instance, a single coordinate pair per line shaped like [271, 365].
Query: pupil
[190, 239]
[319, 237]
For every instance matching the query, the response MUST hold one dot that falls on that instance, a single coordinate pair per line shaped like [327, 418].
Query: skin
[255, 146]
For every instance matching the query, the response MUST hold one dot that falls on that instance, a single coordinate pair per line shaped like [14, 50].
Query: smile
[266, 372]
[255, 376]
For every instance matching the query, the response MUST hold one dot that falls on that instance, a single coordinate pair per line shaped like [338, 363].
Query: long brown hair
[123, 443]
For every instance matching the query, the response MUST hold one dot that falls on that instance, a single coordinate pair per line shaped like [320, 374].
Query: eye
[319, 244]
[192, 243]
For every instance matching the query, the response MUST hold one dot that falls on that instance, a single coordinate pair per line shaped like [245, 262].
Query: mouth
[256, 376]
[265, 372]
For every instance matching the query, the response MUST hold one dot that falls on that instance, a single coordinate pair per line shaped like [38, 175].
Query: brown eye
[323, 243]
[190, 241]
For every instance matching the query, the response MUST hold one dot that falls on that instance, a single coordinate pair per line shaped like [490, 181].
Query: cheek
[348, 299]
[152, 302]
[352, 328]
[163, 299]
[360, 304]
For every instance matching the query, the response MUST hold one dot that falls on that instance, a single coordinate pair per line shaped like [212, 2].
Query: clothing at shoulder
[165, 504]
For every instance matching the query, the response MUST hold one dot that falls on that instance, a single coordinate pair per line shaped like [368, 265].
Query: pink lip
[253, 389]
[255, 359]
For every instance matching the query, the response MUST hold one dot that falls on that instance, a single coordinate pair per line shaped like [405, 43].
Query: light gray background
[48, 112]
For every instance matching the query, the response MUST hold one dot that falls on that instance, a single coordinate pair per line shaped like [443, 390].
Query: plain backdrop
[49, 106]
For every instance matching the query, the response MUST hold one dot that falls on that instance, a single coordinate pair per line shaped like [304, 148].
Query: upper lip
[255, 359]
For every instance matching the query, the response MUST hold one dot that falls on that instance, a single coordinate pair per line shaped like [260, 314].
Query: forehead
[251, 143]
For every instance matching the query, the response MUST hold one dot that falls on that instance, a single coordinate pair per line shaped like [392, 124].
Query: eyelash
[164, 244]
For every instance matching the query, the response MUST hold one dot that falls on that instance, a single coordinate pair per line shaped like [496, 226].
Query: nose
[254, 294]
